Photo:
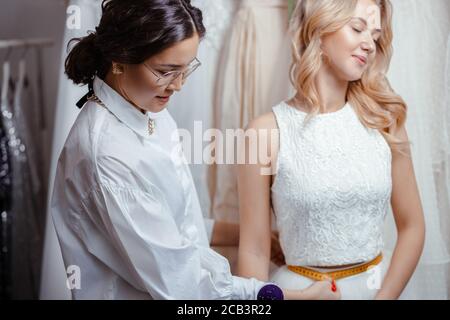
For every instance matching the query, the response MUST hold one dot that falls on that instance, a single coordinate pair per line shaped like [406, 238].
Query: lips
[361, 59]
[163, 98]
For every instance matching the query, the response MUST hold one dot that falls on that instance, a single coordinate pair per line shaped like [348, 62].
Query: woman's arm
[408, 215]
[226, 234]
[254, 199]
[256, 237]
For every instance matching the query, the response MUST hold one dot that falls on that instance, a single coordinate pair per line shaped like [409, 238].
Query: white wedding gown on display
[193, 107]
[420, 72]
[54, 277]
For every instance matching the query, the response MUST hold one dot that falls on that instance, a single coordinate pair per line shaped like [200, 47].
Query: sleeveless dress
[330, 196]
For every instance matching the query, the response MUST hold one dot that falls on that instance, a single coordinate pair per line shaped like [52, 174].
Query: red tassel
[333, 286]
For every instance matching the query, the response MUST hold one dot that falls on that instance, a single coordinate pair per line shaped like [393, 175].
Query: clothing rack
[38, 44]
[26, 176]
[18, 43]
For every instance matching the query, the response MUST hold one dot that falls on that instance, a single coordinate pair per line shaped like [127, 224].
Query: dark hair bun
[83, 60]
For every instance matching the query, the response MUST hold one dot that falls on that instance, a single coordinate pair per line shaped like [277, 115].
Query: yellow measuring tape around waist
[338, 274]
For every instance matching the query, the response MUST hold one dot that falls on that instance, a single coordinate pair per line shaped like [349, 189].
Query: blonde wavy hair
[372, 97]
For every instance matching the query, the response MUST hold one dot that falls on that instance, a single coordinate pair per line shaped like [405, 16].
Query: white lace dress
[330, 196]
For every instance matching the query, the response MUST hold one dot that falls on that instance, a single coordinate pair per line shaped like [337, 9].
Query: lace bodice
[332, 189]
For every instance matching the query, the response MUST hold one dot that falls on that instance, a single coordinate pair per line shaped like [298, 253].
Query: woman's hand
[320, 290]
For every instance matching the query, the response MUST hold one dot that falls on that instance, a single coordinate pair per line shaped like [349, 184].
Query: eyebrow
[365, 23]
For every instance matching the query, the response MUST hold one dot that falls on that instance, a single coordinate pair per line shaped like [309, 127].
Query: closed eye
[166, 73]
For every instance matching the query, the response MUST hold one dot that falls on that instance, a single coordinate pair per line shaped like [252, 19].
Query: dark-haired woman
[124, 205]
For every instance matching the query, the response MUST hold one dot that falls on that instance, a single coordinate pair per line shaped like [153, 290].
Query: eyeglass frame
[161, 76]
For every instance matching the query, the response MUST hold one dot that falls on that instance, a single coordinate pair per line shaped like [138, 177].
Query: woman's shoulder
[76, 160]
[88, 124]
[272, 119]
[264, 121]
[266, 129]
[89, 135]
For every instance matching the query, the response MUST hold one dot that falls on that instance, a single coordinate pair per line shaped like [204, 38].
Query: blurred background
[238, 80]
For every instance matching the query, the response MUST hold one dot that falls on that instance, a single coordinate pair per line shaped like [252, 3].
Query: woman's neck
[332, 91]
[112, 81]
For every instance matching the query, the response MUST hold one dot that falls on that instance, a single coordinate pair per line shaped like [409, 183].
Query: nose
[176, 84]
[368, 45]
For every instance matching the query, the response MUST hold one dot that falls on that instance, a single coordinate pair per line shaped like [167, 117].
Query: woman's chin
[157, 106]
[354, 77]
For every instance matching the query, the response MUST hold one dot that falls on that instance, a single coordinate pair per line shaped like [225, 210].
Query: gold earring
[117, 69]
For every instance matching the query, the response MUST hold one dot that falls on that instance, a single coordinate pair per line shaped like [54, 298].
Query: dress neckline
[320, 115]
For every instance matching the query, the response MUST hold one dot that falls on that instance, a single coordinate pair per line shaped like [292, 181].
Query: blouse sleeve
[169, 265]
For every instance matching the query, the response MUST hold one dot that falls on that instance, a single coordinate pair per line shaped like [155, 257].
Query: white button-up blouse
[127, 213]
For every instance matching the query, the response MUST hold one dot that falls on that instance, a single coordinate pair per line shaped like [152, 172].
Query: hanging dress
[421, 79]
[193, 107]
[254, 77]
[53, 284]
[6, 189]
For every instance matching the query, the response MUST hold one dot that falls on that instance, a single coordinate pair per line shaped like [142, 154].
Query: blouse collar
[124, 110]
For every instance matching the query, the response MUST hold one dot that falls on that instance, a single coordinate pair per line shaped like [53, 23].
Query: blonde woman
[339, 157]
